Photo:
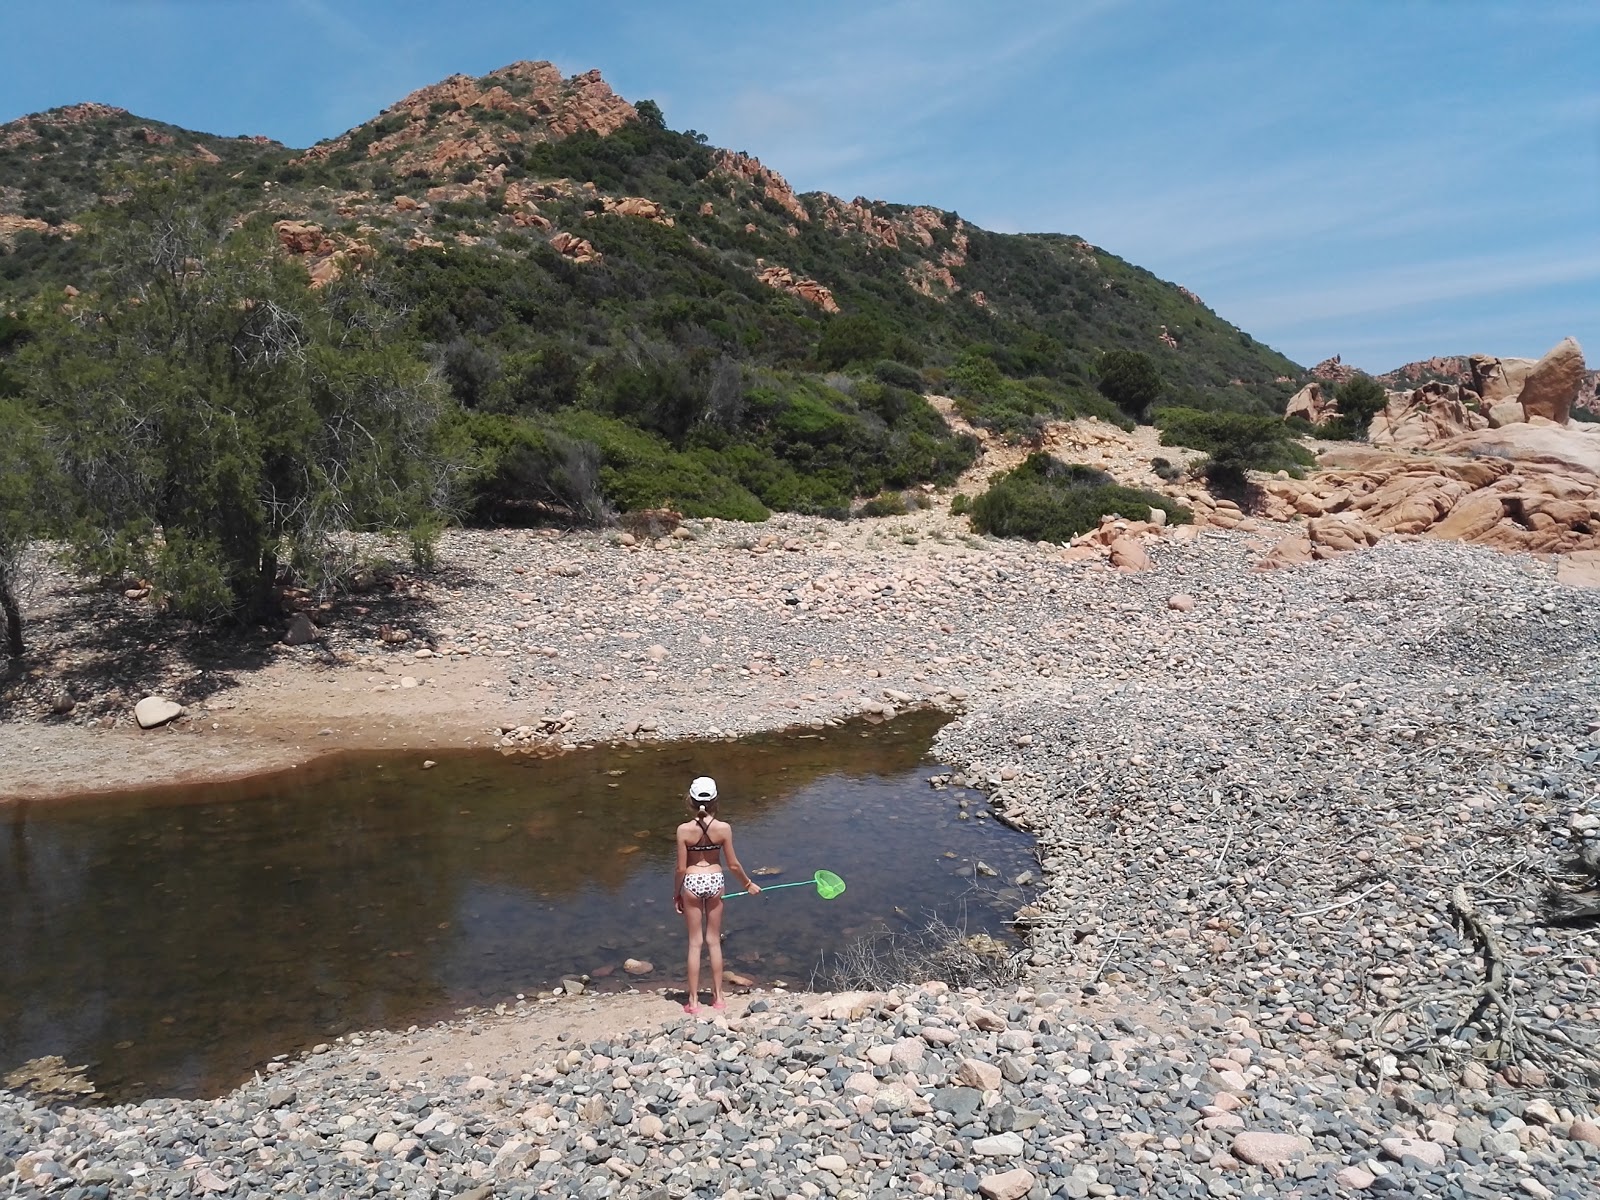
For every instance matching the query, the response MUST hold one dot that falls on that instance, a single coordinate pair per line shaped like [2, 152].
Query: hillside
[569, 261]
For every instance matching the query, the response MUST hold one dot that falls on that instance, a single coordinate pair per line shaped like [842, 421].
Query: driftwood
[1506, 1037]
[1570, 905]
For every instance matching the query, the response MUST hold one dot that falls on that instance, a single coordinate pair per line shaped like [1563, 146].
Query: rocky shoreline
[1259, 797]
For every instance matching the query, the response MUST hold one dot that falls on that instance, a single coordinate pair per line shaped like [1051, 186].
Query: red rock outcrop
[326, 256]
[1452, 368]
[576, 248]
[1332, 370]
[768, 182]
[637, 206]
[440, 124]
[807, 289]
[1489, 501]
[12, 224]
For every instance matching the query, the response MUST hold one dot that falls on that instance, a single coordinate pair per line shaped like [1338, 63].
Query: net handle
[815, 881]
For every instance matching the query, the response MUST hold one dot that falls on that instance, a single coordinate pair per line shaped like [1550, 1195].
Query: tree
[1359, 400]
[650, 114]
[1129, 379]
[26, 494]
[219, 419]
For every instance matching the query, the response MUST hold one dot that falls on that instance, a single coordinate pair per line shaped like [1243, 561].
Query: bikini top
[706, 845]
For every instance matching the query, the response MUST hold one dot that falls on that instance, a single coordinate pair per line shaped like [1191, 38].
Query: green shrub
[1045, 500]
[1235, 442]
[959, 504]
[1129, 379]
[1359, 400]
[897, 374]
[885, 504]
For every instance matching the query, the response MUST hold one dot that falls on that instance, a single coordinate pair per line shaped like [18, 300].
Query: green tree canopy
[1129, 379]
[224, 418]
[27, 495]
[1359, 400]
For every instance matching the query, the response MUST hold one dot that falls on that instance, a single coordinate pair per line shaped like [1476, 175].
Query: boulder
[1553, 384]
[156, 710]
[1498, 379]
[1128, 555]
[301, 631]
[1311, 404]
[1507, 412]
[1423, 418]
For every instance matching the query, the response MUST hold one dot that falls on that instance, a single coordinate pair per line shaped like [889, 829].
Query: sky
[1381, 179]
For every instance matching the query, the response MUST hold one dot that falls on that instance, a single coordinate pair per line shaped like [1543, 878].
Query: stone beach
[1254, 793]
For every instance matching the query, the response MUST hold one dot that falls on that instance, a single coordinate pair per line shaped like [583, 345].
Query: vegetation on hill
[587, 312]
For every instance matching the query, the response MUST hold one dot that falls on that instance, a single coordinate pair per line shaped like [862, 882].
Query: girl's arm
[737, 868]
[683, 869]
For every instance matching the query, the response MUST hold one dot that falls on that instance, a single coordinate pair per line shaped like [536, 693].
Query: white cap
[703, 789]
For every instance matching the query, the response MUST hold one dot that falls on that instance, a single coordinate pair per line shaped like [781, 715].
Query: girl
[697, 886]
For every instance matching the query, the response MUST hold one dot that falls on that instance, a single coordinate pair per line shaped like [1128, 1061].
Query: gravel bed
[930, 1093]
[1258, 797]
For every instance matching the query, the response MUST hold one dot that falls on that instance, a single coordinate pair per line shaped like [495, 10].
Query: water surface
[174, 939]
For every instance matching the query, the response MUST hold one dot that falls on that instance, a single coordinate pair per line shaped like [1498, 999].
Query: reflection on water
[174, 939]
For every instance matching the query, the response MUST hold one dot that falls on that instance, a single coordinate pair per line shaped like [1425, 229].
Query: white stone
[156, 710]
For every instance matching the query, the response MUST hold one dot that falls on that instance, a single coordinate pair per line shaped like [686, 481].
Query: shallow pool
[172, 940]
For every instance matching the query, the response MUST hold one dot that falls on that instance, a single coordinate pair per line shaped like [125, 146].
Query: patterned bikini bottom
[703, 884]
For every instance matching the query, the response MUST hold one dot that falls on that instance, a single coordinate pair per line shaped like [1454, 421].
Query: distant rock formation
[809, 290]
[1424, 417]
[1332, 370]
[439, 125]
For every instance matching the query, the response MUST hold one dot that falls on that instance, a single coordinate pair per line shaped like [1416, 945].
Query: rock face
[810, 290]
[1493, 500]
[1332, 370]
[440, 125]
[1574, 447]
[1311, 404]
[748, 170]
[1552, 385]
[1427, 416]
[1497, 379]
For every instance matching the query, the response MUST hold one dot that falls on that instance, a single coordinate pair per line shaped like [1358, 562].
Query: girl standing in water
[697, 886]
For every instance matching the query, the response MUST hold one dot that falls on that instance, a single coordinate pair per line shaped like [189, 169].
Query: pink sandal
[691, 1008]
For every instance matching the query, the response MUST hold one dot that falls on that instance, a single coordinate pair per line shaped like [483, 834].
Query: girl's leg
[693, 919]
[714, 944]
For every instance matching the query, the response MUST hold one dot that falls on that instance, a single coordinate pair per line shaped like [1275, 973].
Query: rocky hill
[561, 251]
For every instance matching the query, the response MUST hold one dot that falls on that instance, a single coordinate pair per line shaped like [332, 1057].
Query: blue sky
[1385, 179]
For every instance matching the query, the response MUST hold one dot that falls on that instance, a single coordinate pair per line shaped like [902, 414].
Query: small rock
[1180, 602]
[428, 764]
[1354, 1177]
[637, 966]
[1541, 1111]
[1269, 1150]
[1010, 1185]
[1430, 1154]
[301, 631]
[1001, 1145]
[981, 1075]
[834, 1164]
[156, 710]
[1587, 1132]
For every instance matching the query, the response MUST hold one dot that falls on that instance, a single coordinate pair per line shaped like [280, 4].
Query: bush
[959, 504]
[897, 374]
[1359, 399]
[1045, 500]
[1129, 379]
[1236, 443]
[885, 504]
